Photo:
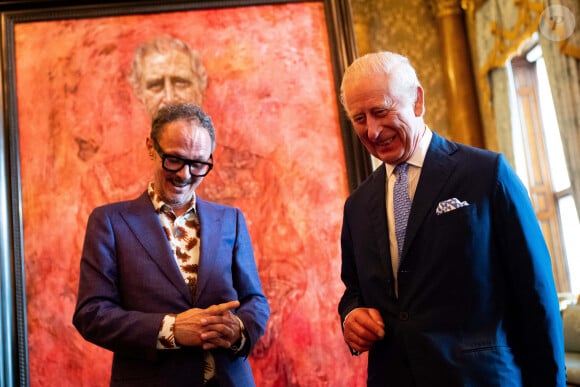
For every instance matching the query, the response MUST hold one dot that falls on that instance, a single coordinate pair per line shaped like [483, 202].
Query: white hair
[397, 67]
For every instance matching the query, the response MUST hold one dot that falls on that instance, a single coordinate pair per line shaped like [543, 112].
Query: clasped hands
[362, 327]
[212, 327]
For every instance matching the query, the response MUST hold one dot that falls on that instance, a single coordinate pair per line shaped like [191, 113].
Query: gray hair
[182, 111]
[162, 44]
[396, 66]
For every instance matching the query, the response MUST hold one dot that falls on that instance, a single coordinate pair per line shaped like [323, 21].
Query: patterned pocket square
[449, 205]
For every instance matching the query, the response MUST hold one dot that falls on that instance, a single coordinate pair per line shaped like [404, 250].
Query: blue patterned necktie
[401, 204]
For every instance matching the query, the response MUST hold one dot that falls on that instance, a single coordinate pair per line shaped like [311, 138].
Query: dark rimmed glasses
[173, 163]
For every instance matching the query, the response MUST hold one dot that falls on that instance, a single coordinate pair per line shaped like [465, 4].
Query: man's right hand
[189, 325]
[362, 327]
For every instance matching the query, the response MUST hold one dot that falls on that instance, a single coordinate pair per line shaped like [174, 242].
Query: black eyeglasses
[175, 163]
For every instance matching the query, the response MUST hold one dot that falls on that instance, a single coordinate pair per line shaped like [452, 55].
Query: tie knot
[401, 169]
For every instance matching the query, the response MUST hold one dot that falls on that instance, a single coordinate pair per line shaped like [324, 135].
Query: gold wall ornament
[471, 5]
[507, 41]
[442, 8]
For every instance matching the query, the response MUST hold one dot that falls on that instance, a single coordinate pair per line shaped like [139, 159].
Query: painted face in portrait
[168, 77]
[388, 120]
[179, 140]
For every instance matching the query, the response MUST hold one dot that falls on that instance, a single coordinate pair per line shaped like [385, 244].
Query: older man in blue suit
[458, 290]
[168, 281]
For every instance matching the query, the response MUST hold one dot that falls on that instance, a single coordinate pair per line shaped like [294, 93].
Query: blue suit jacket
[477, 304]
[129, 281]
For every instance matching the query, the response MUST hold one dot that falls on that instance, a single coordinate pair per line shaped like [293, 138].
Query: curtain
[562, 58]
[557, 25]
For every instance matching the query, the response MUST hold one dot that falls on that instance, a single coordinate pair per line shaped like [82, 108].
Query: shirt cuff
[345, 317]
[240, 344]
[352, 351]
[166, 337]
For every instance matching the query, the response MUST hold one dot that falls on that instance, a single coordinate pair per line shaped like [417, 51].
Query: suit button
[403, 316]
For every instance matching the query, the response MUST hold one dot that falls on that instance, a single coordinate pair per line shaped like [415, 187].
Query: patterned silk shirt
[183, 235]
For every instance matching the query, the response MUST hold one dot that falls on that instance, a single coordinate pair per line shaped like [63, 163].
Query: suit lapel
[144, 222]
[209, 219]
[437, 168]
[378, 216]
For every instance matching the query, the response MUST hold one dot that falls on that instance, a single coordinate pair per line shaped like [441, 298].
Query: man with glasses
[168, 281]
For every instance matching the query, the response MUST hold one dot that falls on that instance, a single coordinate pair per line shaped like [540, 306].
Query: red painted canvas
[280, 158]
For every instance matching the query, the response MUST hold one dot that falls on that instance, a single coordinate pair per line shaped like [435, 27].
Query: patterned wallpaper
[409, 28]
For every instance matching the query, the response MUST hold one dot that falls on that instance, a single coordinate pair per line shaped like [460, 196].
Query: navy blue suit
[476, 300]
[129, 281]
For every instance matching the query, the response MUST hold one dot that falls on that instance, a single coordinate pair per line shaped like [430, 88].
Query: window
[539, 161]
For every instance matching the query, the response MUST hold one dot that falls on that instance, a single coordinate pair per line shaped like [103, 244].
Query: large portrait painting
[76, 119]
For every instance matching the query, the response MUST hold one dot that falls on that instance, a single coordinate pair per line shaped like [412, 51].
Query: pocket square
[449, 205]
